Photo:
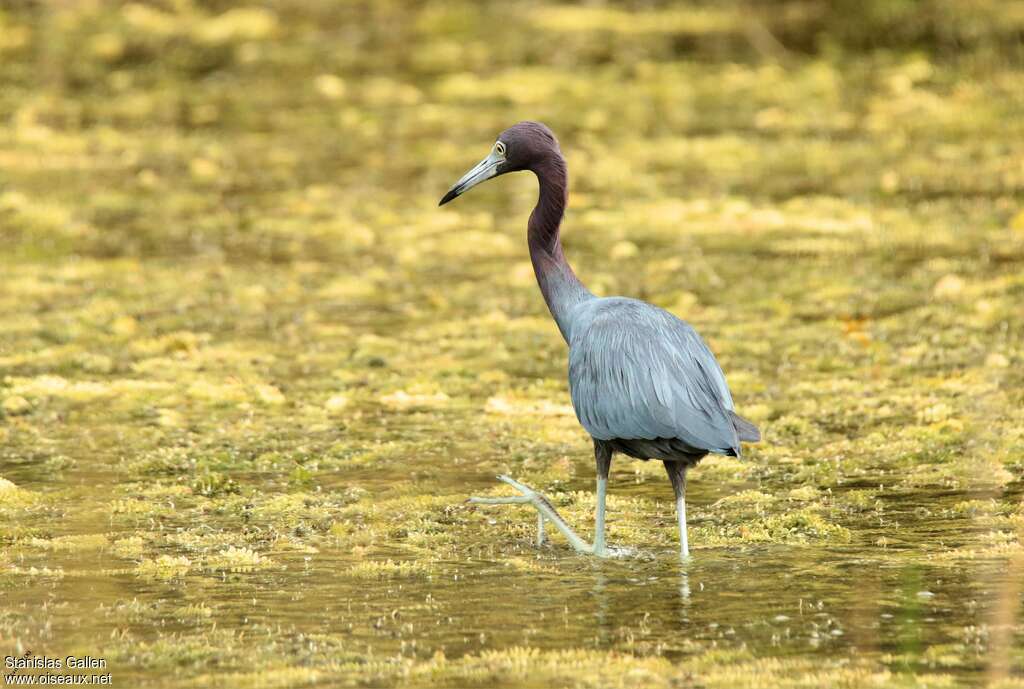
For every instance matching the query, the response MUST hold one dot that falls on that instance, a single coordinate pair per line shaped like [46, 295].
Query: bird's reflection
[684, 589]
[602, 608]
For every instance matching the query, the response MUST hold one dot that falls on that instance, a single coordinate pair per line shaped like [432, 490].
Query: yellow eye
[499, 148]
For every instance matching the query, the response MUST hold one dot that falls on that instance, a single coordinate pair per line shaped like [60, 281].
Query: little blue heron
[642, 381]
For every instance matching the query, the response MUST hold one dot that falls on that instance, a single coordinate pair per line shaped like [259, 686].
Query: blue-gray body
[645, 382]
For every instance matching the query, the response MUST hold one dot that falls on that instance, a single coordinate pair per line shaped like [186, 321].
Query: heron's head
[522, 146]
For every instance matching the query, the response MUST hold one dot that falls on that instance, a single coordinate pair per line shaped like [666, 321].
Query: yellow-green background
[249, 371]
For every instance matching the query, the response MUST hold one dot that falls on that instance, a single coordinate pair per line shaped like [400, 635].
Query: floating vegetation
[235, 559]
[131, 547]
[388, 569]
[71, 543]
[164, 567]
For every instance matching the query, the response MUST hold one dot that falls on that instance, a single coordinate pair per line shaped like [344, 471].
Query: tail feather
[745, 430]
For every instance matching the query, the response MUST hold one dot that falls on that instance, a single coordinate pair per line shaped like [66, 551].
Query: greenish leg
[684, 545]
[602, 491]
[603, 457]
[546, 511]
[677, 475]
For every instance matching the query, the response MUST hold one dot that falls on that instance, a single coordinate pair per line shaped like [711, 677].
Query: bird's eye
[499, 148]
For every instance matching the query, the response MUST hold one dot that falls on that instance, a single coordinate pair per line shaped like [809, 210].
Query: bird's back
[638, 373]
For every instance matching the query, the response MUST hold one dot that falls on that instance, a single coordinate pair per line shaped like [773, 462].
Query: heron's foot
[546, 512]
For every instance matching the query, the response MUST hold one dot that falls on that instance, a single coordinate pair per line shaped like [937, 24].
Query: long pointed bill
[484, 170]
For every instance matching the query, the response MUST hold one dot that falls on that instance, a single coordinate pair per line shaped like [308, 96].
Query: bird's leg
[599, 510]
[603, 455]
[547, 511]
[677, 475]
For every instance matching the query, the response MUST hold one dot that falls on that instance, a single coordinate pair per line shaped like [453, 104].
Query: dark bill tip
[452, 193]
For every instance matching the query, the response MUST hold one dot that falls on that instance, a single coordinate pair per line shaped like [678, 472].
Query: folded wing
[638, 372]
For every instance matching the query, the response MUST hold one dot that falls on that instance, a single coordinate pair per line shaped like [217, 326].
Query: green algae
[13, 497]
[386, 569]
[249, 372]
[236, 559]
[164, 567]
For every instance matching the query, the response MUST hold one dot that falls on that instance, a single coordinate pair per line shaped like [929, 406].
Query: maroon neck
[561, 288]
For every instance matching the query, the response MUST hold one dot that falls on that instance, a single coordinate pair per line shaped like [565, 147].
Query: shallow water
[249, 373]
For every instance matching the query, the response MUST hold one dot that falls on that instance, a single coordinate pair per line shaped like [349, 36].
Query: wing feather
[638, 372]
